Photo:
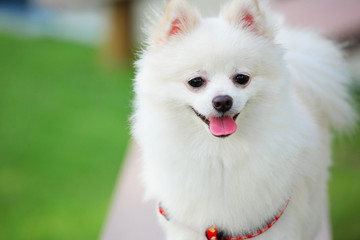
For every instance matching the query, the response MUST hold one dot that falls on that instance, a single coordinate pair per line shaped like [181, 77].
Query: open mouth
[220, 126]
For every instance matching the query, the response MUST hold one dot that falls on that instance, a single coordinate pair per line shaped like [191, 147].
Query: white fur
[281, 149]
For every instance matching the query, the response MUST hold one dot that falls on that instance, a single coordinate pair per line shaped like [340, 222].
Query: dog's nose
[222, 103]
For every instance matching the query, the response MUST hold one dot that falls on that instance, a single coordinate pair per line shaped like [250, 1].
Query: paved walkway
[132, 219]
[338, 19]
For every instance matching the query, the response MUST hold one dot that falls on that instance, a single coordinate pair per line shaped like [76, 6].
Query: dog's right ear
[180, 18]
[250, 15]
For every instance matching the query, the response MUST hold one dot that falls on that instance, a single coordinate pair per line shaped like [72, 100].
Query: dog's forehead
[215, 45]
[217, 34]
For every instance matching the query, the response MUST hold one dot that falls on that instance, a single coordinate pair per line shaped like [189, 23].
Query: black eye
[196, 82]
[242, 79]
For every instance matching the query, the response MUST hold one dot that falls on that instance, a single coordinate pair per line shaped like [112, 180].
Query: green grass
[64, 132]
[345, 185]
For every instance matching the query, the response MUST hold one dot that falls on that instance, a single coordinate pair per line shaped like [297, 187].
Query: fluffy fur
[281, 149]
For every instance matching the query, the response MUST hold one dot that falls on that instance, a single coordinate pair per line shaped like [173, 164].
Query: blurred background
[65, 100]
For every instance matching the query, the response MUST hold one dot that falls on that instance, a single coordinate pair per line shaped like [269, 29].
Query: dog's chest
[233, 198]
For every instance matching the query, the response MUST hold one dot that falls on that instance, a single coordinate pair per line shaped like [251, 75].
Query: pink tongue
[222, 126]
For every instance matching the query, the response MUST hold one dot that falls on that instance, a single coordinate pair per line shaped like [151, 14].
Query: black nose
[222, 103]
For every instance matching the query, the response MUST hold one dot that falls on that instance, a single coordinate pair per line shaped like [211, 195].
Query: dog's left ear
[180, 18]
[249, 15]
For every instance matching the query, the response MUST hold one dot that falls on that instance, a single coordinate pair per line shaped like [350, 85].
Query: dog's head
[212, 68]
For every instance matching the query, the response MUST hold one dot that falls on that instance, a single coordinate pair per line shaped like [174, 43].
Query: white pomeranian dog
[233, 117]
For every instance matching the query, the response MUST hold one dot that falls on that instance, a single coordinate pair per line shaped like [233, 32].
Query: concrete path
[339, 19]
[132, 219]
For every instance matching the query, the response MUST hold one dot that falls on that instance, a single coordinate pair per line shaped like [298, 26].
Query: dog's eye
[242, 79]
[196, 82]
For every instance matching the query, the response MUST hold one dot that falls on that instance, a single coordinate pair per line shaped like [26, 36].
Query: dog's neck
[213, 233]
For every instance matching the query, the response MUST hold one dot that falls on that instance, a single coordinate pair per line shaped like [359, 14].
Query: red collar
[212, 233]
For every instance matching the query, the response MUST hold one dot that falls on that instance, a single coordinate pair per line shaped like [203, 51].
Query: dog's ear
[180, 18]
[249, 15]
